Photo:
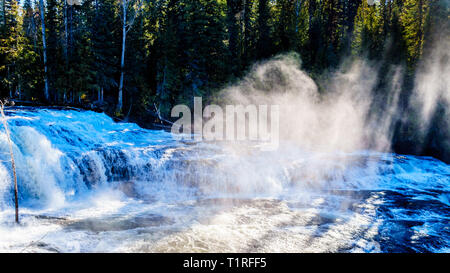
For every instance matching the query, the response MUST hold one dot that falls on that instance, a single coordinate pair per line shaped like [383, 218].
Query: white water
[89, 184]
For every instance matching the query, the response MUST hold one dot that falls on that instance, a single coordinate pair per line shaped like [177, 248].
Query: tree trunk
[122, 61]
[44, 45]
[9, 82]
[420, 32]
[298, 5]
[246, 31]
[19, 88]
[33, 27]
[4, 12]
[233, 32]
[66, 34]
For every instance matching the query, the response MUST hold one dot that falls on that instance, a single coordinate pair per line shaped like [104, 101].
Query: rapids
[88, 184]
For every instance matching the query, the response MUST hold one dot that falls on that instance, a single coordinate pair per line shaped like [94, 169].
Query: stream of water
[88, 184]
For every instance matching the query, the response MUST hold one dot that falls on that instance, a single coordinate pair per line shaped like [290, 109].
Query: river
[88, 184]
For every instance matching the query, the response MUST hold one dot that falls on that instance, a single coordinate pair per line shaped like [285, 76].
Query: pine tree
[333, 31]
[349, 11]
[172, 58]
[395, 49]
[413, 20]
[28, 59]
[233, 36]
[367, 31]
[205, 49]
[103, 25]
[81, 76]
[44, 49]
[9, 46]
[315, 41]
[55, 70]
[137, 54]
[247, 31]
[286, 24]
[130, 9]
[264, 46]
[136, 65]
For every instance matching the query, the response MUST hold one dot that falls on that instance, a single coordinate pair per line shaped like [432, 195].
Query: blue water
[88, 184]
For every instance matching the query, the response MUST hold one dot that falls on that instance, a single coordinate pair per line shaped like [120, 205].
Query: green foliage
[9, 46]
[413, 20]
[368, 30]
[178, 49]
[102, 25]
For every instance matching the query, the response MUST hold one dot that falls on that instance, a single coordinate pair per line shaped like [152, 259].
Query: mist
[431, 100]
[346, 110]
[336, 119]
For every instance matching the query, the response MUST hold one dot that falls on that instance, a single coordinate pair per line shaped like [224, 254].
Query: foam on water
[89, 184]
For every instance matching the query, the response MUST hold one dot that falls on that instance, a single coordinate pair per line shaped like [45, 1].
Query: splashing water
[87, 184]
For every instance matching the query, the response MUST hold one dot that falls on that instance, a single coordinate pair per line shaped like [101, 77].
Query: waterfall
[61, 154]
[88, 184]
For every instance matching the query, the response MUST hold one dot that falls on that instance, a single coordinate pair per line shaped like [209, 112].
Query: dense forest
[136, 58]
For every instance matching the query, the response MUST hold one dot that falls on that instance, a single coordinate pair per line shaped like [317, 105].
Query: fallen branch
[158, 114]
[5, 123]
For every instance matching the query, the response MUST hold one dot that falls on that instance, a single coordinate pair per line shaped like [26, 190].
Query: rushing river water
[91, 185]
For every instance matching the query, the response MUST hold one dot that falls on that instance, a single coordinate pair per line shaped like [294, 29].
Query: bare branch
[13, 164]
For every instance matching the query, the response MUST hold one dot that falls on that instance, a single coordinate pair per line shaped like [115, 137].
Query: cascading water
[89, 184]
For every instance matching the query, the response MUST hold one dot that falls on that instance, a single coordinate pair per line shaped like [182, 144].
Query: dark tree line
[134, 57]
